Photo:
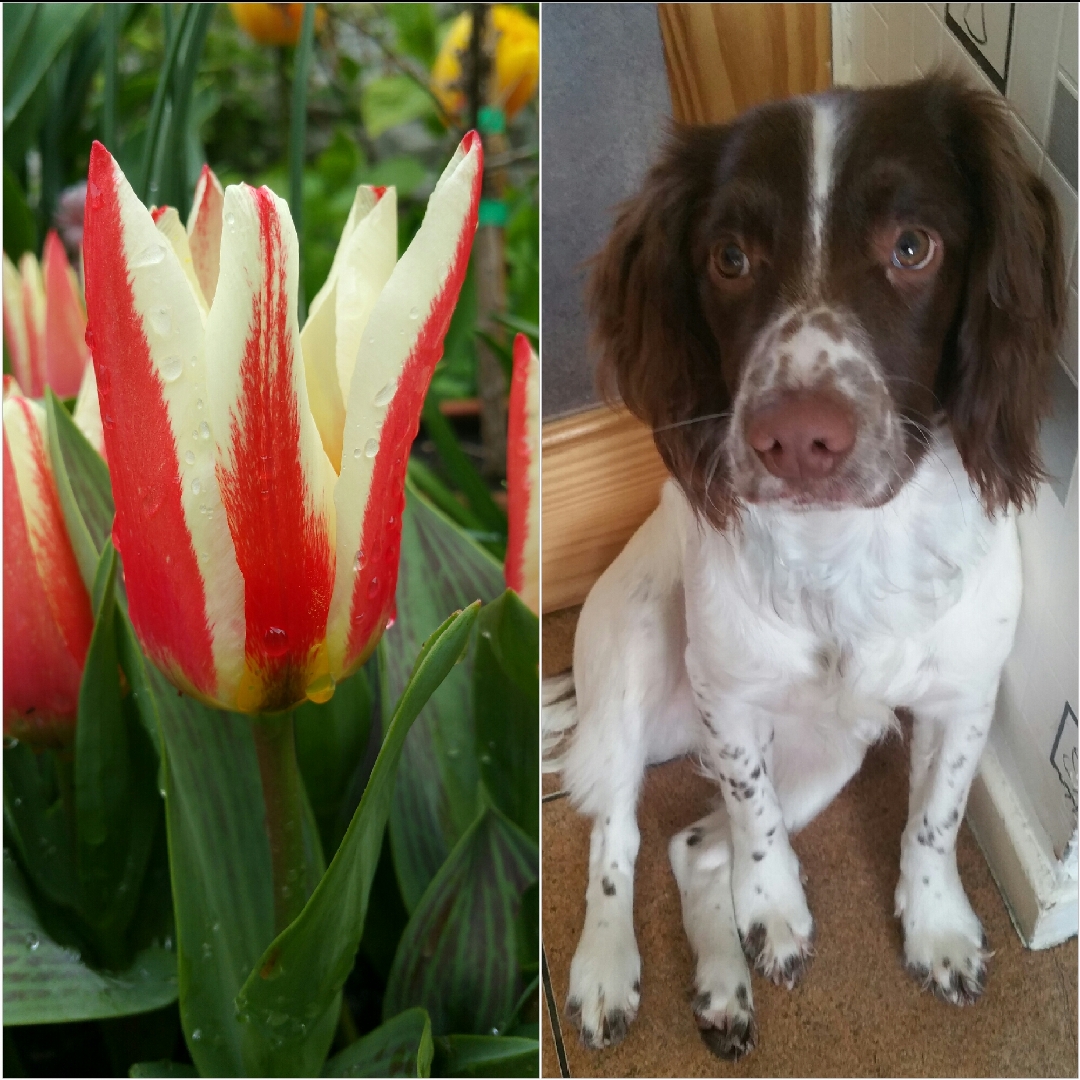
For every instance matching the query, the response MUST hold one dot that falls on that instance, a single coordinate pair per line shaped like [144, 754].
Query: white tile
[877, 44]
[1032, 65]
[1066, 200]
[901, 59]
[1030, 150]
[1067, 54]
[1068, 347]
[926, 38]
[938, 10]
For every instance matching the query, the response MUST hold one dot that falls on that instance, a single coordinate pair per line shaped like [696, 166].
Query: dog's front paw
[945, 948]
[775, 925]
[726, 1021]
[605, 985]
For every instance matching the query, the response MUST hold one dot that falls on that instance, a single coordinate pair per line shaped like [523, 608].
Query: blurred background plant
[313, 100]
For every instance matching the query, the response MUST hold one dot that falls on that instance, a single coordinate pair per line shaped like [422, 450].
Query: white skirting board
[1039, 891]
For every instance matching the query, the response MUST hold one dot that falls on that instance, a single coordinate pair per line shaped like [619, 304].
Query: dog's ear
[996, 389]
[655, 349]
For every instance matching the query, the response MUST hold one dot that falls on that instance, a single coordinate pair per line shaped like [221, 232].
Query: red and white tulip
[258, 472]
[45, 329]
[523, 476]
[47, 616]
[44, 322]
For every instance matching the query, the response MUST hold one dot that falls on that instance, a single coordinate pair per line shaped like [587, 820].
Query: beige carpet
[857, 1012]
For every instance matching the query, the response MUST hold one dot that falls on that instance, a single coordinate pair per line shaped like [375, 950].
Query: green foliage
[300, 976]
[46, 981]
[400, 1047]
[436, 858]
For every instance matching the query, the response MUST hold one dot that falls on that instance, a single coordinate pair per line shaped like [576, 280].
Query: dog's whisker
[692, 420]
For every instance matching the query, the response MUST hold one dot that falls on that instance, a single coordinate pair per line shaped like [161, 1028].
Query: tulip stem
[275, 746]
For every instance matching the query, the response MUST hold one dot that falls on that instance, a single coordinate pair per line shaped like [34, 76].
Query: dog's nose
[801, 436]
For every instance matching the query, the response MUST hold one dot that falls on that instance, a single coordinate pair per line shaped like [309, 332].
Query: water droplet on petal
[88, 337]
[161, 320]
[385, 394]
[414, 313]
[172, 369]
[358, 562]
[196, 1035]
[358, 453]
[275, 641]
[150, 255]
[390, 622]
[94, 193]
[109, 420]
[230, 220]
[199, 404]
[204, 430]
[371, 448]
[189, 457]
[33, 941]
[196, 486]
[373, 588]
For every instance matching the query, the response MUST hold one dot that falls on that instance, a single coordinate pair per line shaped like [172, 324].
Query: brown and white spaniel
[837, 314]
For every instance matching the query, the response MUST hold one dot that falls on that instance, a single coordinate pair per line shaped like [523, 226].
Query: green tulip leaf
[436, 797]
[506, 690]
[117, 806]
[219, 858]
[331, 740]
[162, 1068]
[458, 957]
[37, 36]
[47, 983]
[35, 822]
[82, 480]
[400, 1047]
[487, 1055]
[294, 987]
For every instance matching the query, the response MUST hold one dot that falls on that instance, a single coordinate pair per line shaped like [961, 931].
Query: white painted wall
[884, 43]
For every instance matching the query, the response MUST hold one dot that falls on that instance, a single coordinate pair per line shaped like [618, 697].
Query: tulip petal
[331, 336]
[33, 315]
[523, 476]
[65, 323]
[204, 231]
[47, 617]
[400, 348]
[16, 332]
[87, 415]
[276, 480]
[167, 219]
[146, 335]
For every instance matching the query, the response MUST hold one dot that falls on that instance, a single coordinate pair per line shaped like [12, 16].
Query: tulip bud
[47, 616]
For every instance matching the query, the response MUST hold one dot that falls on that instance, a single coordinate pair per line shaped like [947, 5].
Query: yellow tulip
[517, 60]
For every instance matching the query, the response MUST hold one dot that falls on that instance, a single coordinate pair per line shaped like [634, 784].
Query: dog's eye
[731, 261]
[913, 250]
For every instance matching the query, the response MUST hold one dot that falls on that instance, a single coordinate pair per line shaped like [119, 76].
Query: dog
[837, 314]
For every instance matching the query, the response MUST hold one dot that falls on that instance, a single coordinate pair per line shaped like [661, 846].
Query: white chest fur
[855, 611]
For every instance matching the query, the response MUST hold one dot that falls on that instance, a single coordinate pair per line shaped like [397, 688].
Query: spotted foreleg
[723, 1003]
[605, 975]
[944, 944]
[770, 907]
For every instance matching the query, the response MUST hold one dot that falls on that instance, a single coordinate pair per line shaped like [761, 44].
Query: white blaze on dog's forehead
[822, 151]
